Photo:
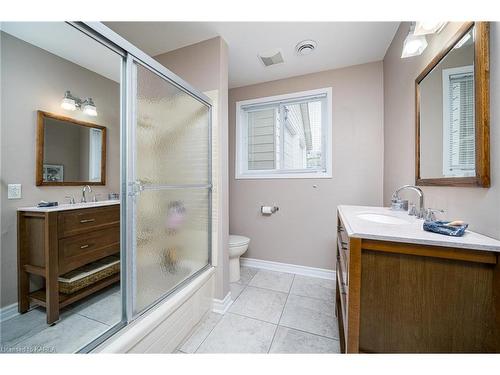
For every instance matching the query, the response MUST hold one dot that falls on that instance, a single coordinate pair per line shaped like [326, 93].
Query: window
[95, 149]
[286, 136]
[459, 146]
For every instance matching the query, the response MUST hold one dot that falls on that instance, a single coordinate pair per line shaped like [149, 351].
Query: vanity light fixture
[71, 103]
[413, 45]
[428, 27]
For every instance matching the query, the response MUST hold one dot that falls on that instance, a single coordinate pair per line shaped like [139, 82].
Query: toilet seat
[235, 240]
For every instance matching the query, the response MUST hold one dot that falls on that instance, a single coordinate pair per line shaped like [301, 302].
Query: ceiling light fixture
[72, 103]
[428, 27]
[413, 45]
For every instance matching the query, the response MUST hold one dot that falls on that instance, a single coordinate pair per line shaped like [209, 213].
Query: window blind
[462, 145]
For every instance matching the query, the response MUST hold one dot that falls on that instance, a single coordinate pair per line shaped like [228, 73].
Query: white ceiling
[340, 44]
[65, 41]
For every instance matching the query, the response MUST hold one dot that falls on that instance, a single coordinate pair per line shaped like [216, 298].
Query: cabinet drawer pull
[84, 246]
[83, 221]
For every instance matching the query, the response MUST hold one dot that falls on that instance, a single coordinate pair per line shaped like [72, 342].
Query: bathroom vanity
[403, 290]
[55, 240]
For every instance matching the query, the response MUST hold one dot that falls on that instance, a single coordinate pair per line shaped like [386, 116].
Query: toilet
[237, 247]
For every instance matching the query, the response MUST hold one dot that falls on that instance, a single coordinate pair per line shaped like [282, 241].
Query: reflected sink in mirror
[382, 219]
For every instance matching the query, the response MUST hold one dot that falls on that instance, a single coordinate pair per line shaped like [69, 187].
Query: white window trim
[240, 146]
[446, 117]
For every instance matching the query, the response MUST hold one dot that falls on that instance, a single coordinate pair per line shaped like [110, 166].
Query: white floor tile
[289, 340]
[106, 309]
[22, 326]
[238, 334]
[67, 336]
[311, 315]
[313, 287]
[236, 290]
[278, 281]
[260, 304]
[246, 274]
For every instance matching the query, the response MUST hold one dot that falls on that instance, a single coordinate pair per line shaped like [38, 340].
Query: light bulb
[68, 103]
[89, 107]
[90, 110]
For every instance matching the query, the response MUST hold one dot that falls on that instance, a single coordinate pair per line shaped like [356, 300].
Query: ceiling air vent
[305, 47]
[273, 58]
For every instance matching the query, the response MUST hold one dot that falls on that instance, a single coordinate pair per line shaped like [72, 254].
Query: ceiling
[65, 41]
[339, 44]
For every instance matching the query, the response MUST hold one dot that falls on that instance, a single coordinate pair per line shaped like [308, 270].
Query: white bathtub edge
[131, 335]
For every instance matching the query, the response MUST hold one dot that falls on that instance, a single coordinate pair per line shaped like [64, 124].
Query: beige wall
[33, 79]
[204, 65]
[478, 206]
[303, 232]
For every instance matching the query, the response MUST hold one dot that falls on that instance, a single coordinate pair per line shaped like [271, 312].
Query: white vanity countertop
[65, 207]
[410, 231]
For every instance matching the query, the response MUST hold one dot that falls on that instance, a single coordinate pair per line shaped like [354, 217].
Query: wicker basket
[89, 274]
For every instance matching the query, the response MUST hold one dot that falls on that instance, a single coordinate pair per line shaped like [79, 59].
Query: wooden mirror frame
[481, 108]
[40, 139]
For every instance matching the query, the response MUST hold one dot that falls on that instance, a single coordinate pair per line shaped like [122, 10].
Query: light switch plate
[14, 191]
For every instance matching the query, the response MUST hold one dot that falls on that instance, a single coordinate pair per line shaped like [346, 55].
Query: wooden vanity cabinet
[52, 243]
[396, 297]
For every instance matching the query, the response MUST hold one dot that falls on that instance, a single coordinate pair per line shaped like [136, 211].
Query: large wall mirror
[452, 112]
[69, 152]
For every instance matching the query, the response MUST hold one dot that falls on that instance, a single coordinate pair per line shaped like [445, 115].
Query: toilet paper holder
[269, 210]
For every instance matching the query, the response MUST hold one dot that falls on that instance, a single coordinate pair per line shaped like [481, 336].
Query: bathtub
[162, 328]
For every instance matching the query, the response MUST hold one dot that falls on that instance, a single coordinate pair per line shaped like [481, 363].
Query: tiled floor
[272, 312]
[80, 323]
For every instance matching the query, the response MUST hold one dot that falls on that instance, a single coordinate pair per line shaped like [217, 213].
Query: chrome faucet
[84, 196]
[396, 200]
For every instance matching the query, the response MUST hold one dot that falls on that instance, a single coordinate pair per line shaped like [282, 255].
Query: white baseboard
[290, 268]
[8, 312]
[220, 306]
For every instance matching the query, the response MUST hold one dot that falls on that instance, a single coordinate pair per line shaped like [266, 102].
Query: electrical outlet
[14, 191]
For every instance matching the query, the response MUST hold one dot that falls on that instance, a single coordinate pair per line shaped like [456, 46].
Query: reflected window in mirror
[452, 147]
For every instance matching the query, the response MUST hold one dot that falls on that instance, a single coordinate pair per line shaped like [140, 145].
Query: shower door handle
[136, 188]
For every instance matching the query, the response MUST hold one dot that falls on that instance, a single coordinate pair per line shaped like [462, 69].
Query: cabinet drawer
[88, 219]
[75, 251]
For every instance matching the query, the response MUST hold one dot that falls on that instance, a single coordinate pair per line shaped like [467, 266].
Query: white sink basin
[382, 219]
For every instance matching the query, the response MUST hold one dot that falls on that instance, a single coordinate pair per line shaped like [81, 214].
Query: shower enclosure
[169, 185]
[166, 179]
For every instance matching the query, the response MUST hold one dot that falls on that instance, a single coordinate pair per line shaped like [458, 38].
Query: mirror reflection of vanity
[73, 247]
[69, 152]
[452, 112]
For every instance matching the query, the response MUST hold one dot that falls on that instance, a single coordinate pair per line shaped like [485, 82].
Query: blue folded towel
[442, 227]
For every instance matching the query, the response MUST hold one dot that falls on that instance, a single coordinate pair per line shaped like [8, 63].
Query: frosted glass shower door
[172, 187]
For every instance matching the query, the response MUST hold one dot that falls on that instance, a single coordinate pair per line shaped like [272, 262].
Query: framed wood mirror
[69, 152]
[452, 112]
